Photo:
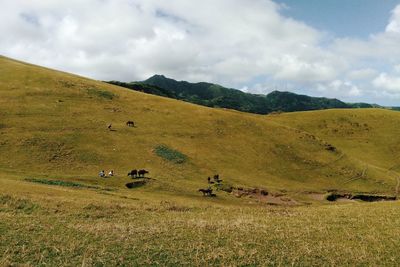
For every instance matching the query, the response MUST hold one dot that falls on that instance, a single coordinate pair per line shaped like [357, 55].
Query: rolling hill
[213, 95]
[54, 124]
[55, 211]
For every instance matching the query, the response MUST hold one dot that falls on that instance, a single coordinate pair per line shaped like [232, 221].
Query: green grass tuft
[170, 154]
[102, 94]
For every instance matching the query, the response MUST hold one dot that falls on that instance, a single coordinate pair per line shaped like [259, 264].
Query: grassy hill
[55, 211]
[53, 123]
[368, 135]
[213, 95]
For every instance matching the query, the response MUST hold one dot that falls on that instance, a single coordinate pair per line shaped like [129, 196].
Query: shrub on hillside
[101, 93]
[170, 154]
[59, 183]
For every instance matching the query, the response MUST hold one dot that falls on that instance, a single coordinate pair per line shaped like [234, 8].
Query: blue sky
[347, 49]
[342, 18]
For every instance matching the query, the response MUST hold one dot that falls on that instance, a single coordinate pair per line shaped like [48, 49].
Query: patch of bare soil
[316, 196]
[263, 196]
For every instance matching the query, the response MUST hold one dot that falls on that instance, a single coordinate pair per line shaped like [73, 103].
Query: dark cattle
[216, 179]
[133, 173]
[206, 192]
[142, 173]
[130, 124]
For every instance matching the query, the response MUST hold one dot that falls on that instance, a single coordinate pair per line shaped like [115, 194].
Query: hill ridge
[214, 95]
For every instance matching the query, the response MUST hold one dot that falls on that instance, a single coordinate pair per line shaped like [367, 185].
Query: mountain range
[217, 96]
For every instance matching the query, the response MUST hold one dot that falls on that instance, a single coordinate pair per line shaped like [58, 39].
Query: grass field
[55, 211]
[57, 226]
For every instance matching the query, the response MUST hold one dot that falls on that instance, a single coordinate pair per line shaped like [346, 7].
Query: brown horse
[142, 173]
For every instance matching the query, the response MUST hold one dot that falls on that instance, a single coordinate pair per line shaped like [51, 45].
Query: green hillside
[213, 95]
[370, 135]
[55, 211]
[53, 123]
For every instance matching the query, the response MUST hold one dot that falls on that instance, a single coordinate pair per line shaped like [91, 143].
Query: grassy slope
[167, 223]
[370, 135]
[54, 226]
[53, 123]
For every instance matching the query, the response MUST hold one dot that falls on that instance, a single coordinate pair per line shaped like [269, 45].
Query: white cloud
[339, 87]
[377, 48]
[396, 68]
[387, 83]
[394, 23]
[292, 68]
[133, 39]
[238, 43]
[362, 74]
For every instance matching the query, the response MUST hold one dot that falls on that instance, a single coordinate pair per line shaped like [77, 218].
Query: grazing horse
[142, 173]
[206, 192]
[130, 124]
[133, 173]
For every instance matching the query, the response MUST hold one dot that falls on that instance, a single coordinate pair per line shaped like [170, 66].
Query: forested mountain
[213, 95]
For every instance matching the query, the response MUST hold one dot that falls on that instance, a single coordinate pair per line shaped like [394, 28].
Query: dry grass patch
[171, 233]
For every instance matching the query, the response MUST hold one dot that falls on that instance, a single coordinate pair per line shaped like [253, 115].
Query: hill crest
[214, 95]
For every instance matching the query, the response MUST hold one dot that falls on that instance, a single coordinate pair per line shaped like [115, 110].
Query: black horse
[206, 192]
[130, 124]
[133, 173]
[142, 173]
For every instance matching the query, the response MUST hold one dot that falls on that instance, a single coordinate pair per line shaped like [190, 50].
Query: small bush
[170, 154]
[102, 94]
[59, 183]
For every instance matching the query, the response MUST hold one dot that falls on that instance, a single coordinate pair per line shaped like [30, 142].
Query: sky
[356, 18]
[347, 49]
